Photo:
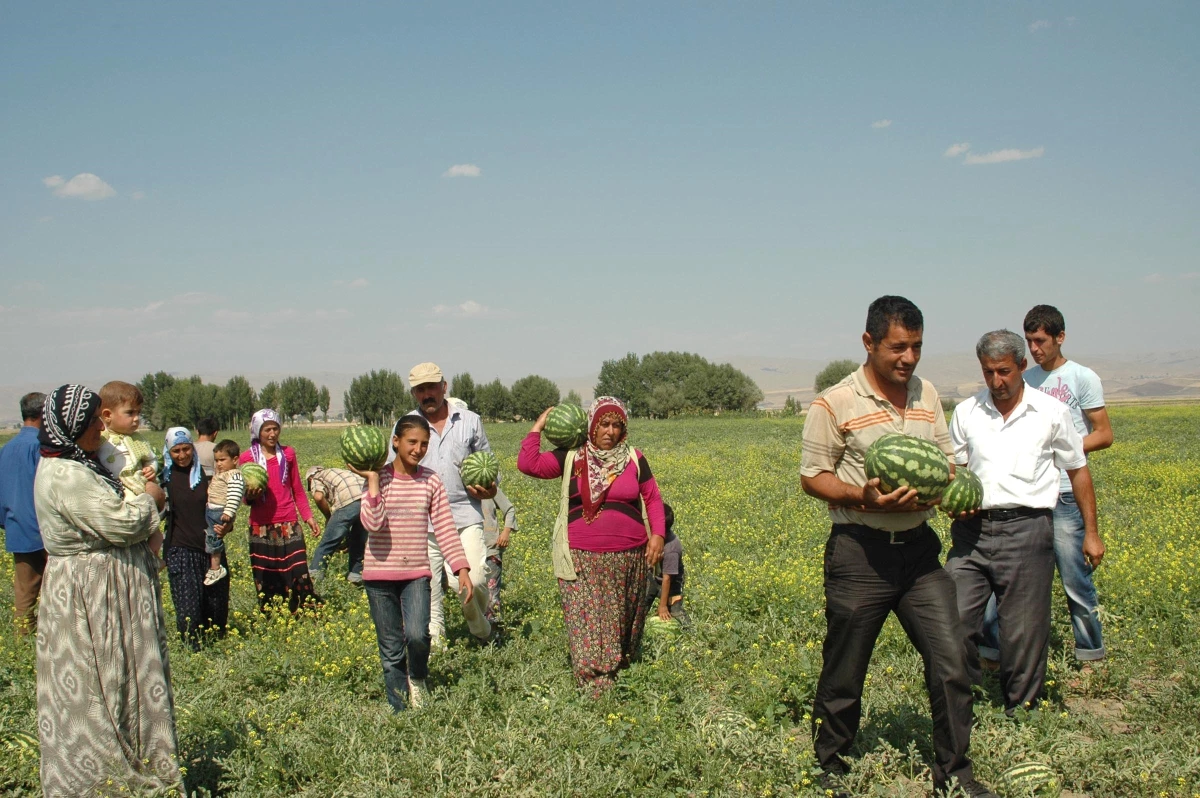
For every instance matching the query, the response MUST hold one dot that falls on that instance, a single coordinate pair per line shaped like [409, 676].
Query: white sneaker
[418, 693]
[215, 575]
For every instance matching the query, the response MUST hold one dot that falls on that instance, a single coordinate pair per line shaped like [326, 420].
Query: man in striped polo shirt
[882, 555]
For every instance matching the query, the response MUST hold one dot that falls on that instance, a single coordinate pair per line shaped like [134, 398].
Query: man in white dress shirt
[1017, 440]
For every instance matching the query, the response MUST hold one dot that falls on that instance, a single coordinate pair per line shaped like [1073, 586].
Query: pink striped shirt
[397, 523]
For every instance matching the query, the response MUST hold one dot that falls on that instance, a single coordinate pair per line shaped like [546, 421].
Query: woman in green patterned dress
[106, 715]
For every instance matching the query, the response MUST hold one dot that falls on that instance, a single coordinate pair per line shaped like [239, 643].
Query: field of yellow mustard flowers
[291, 706]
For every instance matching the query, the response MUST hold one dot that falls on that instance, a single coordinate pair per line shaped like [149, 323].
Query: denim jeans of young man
[868, 577]
[1077, 583]
[343, 530]
[400, 611]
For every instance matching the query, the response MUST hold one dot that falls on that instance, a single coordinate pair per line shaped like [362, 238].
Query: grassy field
[296, 707]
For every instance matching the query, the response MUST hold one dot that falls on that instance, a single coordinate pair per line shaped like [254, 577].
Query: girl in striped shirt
[401, 502]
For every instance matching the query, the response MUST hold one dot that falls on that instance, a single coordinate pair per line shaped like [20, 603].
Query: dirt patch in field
[1109, 710]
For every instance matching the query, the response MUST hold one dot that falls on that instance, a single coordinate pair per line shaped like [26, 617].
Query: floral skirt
[604, 613]
[279, 564]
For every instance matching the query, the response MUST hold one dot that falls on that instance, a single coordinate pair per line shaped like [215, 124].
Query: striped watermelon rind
[904, 461]
[1031, 778]
[479, 469]
[964, 494]
[657, 627]
[364, 448]
[255, 476]
[566, 426]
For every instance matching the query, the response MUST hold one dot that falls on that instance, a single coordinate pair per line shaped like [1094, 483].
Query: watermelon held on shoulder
[255, 477]
[904, 461]
[566, 426]
[965, 493]
[364, 448]
[479, 469]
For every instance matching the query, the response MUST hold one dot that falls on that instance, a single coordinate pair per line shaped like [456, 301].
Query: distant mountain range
[1158, 376]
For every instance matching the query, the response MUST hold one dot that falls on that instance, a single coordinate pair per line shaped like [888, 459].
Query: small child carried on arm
[225, 493]
[125, 454]
[664, 587]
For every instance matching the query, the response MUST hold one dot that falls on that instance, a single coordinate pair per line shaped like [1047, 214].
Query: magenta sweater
[397, 523]
[619, 526]
[279, 503]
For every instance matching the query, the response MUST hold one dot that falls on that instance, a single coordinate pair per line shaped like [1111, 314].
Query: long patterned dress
[105, 708]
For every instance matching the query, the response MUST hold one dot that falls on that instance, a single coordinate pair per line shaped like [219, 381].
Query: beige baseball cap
[423, 373]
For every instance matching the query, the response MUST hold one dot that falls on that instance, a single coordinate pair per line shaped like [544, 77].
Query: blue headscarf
[176, 436]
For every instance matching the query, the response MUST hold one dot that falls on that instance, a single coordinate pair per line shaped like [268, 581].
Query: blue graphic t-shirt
[1077, 387]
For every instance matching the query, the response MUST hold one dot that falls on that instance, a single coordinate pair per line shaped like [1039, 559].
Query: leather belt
[1013, 513]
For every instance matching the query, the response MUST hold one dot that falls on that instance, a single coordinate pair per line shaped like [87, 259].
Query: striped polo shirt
[847, 418]
[398, 522]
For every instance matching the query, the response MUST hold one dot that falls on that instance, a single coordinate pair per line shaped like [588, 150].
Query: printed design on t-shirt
[1061, 392]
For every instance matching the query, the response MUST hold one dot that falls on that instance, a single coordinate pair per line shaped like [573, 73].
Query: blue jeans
[343, 530]
[1077, 582]
[400, 611]
[212, 543]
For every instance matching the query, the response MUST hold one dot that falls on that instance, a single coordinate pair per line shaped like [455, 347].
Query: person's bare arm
[1101, 436]
[827, 487]
[1085, 498]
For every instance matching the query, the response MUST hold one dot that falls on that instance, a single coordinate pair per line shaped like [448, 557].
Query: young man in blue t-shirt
[1075, 553]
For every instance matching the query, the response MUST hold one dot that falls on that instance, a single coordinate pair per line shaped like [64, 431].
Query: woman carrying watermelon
[278, 559]
[602, 552]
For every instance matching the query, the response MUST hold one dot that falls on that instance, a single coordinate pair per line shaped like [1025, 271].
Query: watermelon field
[295, 706]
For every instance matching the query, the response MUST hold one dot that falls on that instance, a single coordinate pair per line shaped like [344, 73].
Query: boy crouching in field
[125, 454]
[664, 587]
[225, 493]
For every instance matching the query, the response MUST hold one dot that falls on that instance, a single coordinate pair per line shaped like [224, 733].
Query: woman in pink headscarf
[609, 533]
[278, 558]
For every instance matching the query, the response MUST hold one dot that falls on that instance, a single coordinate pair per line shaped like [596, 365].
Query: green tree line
[172, 401]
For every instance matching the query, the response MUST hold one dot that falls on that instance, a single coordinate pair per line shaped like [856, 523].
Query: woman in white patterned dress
[106, 715]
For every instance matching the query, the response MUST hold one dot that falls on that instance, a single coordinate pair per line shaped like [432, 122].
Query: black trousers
[866, 577]
[198, 606]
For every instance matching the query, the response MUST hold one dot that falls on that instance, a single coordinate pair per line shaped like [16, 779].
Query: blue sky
[512, 189]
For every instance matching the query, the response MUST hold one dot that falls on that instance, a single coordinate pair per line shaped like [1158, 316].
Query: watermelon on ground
[255, 477]
[1031, 778]
[964, 494]
[566, 426]
[904, 461]
[657, 627]
[479, 469]
[364, 448]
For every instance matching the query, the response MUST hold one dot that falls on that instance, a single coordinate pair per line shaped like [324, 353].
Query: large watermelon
[657, 627]
[566, 426]
[902, 460]
[1031, 778]
[255, 477]
[365, 448]
[964, 494]
[479, 469]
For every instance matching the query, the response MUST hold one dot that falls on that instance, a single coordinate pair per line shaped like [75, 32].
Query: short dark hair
[31, 406]
[410, 422]
[207, 426]
[889, 310]
[228, 447]
[1045, 317]
[669, 514]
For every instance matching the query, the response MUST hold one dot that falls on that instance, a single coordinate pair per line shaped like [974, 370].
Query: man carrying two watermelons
[882, 555]
[1016, 439]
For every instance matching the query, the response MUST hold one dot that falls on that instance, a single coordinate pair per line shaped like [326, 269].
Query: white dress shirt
[1018, 459]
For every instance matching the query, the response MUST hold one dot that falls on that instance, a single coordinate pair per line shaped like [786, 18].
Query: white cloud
[882, 123]
[955, 150]
[44, 219]
[1071, 21]
[84, 186]
[463, 170]
[138, 195]
[1041, 24]
[1154, 279]
[467, 309]
[361, 282]
[1004, 156]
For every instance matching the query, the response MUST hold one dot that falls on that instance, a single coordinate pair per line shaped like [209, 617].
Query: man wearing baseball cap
[456, 433]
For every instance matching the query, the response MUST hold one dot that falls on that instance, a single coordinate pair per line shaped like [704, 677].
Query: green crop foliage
[290, 706]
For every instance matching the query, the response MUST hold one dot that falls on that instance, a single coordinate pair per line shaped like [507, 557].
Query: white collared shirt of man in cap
[1017, 440]
[456, 433]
